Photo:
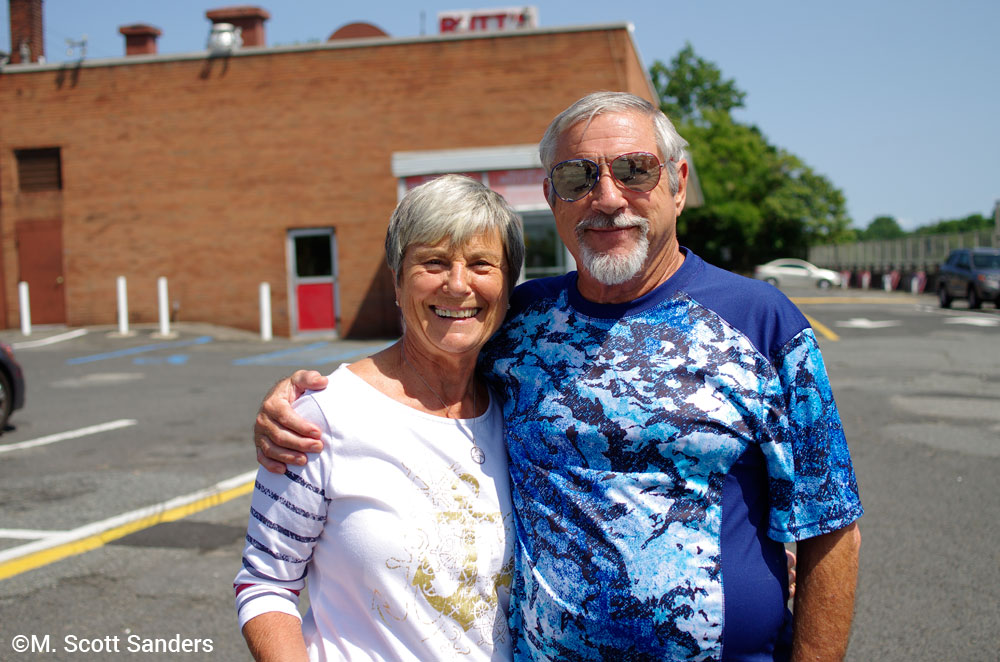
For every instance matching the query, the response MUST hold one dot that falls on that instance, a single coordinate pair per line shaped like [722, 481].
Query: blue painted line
[343, 356]
[139, 350]
[267, 359]
[173, 359]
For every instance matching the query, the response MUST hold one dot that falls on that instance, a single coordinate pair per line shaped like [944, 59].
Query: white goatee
[614, 268]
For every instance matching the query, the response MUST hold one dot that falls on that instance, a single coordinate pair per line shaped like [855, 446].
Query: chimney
[250, 21]
[140, 38]
[26, 41]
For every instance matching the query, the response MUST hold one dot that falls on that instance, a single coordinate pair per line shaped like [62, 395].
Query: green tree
[761, 202]
[882, 227]
[970, 223]
[690, 86]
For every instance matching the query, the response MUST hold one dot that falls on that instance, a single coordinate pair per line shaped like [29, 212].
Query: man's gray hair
[584, 110]
[456, 208]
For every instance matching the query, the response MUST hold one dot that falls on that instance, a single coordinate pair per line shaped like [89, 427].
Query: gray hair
[457, 208]
[670, 142]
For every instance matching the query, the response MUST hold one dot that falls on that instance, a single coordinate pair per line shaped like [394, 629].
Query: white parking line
[61, 544]
[51, 340]
[72, 434]
[28, 534]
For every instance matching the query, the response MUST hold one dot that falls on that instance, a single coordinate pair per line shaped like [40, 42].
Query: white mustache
[605, 222]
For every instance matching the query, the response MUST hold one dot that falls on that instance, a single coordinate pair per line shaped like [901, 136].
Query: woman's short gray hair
[584, 110]
[457, 208]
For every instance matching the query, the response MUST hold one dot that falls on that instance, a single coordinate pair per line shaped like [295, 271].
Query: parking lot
[124, 481]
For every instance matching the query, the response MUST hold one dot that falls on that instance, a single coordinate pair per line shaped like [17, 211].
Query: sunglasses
[575, 178]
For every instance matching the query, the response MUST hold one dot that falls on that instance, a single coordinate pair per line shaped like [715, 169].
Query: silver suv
[972, 274]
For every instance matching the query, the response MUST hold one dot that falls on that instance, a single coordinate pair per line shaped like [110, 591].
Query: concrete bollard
[122, 288]
[161, 289]
[265, 311]
[24, 301]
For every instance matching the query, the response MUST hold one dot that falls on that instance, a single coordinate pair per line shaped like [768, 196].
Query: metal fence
[915, 253]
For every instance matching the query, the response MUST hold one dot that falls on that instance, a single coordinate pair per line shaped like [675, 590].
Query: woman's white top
[407, 542]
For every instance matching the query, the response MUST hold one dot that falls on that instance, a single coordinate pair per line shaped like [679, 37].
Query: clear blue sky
[895, 101]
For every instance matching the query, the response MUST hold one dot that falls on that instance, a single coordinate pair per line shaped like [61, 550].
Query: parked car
[972, 274]
[790, 271]
[11, 384]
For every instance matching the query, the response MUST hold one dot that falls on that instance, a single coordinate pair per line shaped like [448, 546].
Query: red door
[40, 256]
[312, 259]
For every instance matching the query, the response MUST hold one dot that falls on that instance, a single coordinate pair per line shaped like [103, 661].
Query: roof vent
[248, 19]
[358, 30]
[224, 38]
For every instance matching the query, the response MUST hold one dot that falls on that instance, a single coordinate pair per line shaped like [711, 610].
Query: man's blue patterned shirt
[661, 451]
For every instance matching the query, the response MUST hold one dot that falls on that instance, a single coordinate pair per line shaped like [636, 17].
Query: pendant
[478, 456]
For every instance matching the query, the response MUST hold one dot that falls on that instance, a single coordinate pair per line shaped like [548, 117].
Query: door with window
[313, 280]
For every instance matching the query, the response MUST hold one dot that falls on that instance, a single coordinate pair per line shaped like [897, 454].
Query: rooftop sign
[503, 19]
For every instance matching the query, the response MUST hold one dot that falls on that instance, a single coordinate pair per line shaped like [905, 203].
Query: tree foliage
[761, 202]
[882, 227]
[887, 227]
[970, 223]
[690, 86]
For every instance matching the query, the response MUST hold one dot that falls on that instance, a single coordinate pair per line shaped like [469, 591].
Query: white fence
[915, 253]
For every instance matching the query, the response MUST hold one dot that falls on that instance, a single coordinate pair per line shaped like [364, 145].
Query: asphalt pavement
[124, 481]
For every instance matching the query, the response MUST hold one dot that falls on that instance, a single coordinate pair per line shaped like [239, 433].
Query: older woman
[403, 522]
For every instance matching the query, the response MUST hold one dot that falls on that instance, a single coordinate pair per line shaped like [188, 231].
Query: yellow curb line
[43, 557]
[907, 299]
[822, 329]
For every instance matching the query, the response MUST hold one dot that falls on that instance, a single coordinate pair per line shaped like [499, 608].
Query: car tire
[6, 401]
[824, 284]
[973, 298]
[943, 297]
[771, 280]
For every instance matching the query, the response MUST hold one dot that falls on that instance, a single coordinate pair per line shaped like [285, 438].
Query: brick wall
[194, 169]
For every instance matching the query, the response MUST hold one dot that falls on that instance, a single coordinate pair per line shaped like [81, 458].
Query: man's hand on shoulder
[281, 436]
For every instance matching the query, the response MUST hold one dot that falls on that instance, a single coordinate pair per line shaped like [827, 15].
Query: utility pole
[996, 224]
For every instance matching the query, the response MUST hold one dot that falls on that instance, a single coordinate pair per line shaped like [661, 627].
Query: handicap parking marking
[342, 356]
[201, 340]
[278, 358]
[312, 355]
[173, 359]
[315, 354]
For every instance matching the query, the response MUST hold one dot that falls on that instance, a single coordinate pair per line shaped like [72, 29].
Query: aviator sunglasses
[575, 178]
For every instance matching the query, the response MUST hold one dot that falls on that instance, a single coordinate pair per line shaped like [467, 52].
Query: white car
[789, 271]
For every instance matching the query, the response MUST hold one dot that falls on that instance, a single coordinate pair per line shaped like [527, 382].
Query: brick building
[220, 170]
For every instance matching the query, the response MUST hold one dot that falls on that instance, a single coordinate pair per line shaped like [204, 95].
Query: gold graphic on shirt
[449, 566]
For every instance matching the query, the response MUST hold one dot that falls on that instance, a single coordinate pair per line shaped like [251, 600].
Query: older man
[669, 426]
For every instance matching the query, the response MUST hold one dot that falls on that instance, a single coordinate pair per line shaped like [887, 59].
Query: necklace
[477, 454]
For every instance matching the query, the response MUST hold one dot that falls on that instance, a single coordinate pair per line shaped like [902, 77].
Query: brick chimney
[26, 41]
[250, 20]
[140, 38]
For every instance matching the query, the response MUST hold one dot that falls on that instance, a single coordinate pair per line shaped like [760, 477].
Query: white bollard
[25, 303]
[161, 289]
[122, 306]
[265, 311]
